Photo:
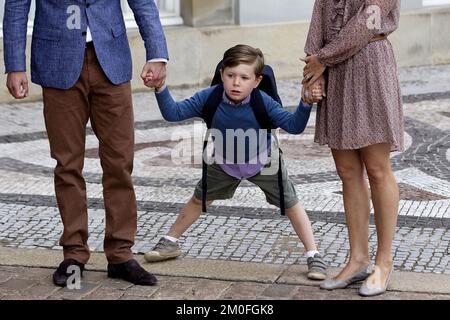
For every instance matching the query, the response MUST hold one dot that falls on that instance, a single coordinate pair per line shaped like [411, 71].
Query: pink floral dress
[364, 104]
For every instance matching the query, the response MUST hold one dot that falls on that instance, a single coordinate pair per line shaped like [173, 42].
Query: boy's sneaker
[163, 250]
[317, 268]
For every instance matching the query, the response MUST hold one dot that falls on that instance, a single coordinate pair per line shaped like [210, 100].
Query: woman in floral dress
[361, 120]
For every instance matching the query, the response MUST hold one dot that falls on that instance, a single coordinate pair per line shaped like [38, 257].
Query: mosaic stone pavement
[245, 228]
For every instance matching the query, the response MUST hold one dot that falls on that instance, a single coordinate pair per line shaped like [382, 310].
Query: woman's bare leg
[350, 169]
[385, 199]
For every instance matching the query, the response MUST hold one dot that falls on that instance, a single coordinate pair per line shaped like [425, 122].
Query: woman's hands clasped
[313, 83]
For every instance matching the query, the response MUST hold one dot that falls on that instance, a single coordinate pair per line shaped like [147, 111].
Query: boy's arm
[294, 123]
[178, 111]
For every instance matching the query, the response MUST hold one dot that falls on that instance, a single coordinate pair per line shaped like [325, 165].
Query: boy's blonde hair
[244, 54]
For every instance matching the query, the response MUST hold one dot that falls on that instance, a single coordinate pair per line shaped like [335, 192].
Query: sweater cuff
[164, 91]
[303, 105]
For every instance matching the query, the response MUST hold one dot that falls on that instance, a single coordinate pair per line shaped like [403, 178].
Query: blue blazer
[59, 37]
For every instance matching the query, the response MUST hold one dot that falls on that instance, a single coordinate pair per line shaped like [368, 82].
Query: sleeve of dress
[315, 39]
[357, 33]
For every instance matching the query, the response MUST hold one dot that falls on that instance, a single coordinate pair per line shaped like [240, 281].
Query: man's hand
[154, 74]
[17, 84]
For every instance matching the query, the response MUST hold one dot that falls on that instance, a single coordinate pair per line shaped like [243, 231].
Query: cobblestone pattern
[231, 238]
[245, 228]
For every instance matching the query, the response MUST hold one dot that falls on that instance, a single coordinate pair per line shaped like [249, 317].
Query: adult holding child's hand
[361, 121]
[85, 72]
[154, 74]
[313, 70]
[313, 83]
[315, 93]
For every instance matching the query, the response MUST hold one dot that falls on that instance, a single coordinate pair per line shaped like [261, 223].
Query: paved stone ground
[244, 228]
[26, 283]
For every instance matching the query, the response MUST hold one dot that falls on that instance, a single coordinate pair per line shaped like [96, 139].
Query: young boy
[241, 74]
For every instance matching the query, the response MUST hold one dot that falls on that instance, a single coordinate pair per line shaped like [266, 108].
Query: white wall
[273, 11]
[270, 11]
[169, 13]
[250, 11]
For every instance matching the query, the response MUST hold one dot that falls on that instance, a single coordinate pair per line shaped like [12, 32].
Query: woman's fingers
[313, 79]
[307, 82]
[310, 78]
[305, 59]
[312, 73]
[317, 97]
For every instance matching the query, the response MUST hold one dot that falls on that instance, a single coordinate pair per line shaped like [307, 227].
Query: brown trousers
[110, 110]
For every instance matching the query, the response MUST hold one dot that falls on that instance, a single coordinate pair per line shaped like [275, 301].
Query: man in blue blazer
[81, 57]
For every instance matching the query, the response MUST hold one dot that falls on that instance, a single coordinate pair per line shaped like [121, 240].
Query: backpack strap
[204, 173]
[264, 122]
[211, 105]
[259, 109]
[209, 110]
[280, 185]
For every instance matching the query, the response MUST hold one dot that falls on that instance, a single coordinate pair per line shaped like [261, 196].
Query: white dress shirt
[89, 39]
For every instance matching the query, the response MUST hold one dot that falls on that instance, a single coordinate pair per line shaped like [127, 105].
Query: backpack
[269, 86]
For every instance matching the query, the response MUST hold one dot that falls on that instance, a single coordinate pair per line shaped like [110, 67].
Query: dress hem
[394, 146]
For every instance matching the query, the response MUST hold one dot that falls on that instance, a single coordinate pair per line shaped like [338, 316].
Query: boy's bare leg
[317, 267]
[167, 247]
[188, 215]
[302, 226]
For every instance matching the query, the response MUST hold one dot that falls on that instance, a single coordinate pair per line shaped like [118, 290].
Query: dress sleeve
[315, 39]
[357, 33]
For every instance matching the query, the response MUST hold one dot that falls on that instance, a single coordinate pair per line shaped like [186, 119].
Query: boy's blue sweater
[229, 116]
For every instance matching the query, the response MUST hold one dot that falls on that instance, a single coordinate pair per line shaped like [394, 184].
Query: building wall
[269, 11]
[201, 13]
[422, 39]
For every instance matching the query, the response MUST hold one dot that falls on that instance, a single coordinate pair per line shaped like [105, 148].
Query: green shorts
[222, 186]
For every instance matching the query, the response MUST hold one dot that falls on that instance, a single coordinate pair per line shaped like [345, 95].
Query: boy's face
[239, 81]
